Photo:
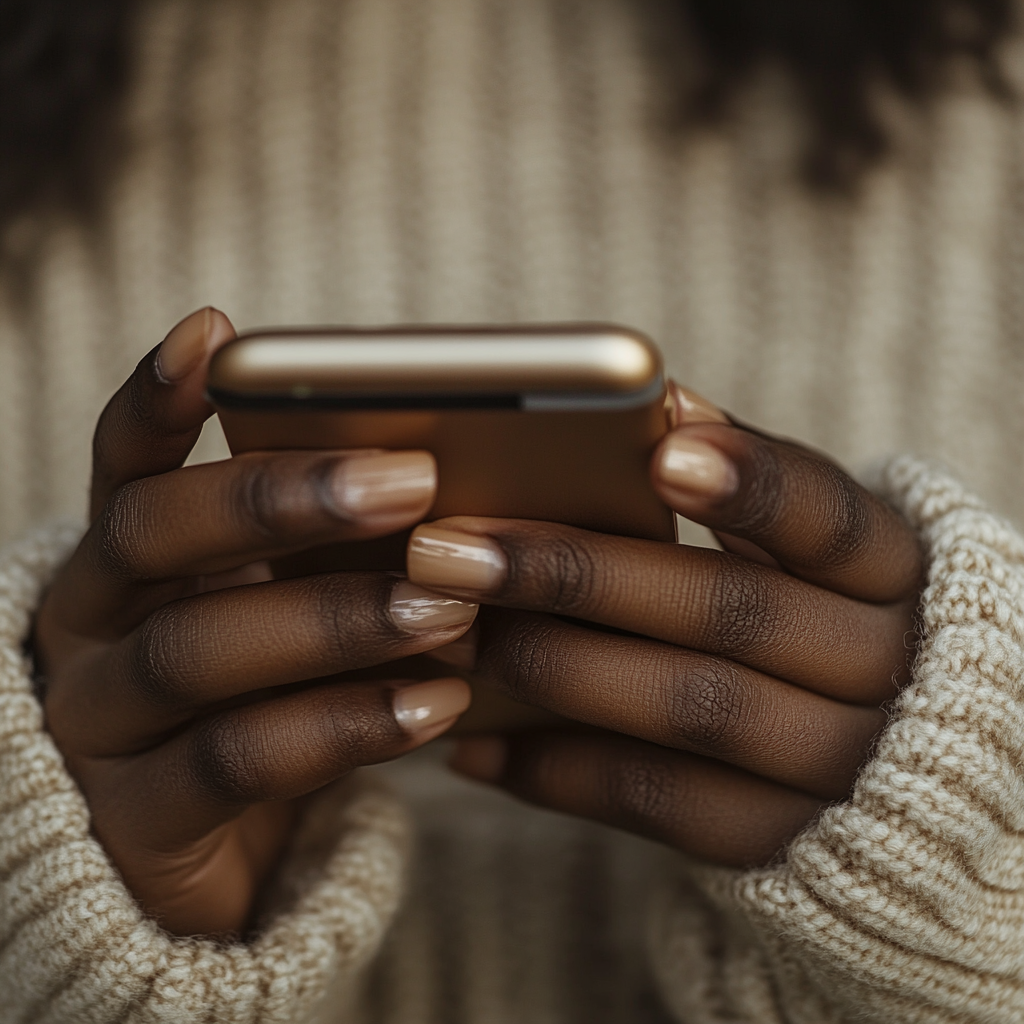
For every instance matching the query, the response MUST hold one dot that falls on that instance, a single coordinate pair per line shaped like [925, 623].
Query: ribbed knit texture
[392, 160]
[75, 947]
[905, 903]
[298, 161]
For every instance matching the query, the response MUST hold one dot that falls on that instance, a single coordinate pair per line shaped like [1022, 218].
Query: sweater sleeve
[905, 903]
[74, 946]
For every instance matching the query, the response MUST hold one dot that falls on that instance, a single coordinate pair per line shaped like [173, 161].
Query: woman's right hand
[194, 698]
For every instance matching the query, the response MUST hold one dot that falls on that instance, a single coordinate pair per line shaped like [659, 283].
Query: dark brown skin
[159, 677]
[753, 693]
[177, 675]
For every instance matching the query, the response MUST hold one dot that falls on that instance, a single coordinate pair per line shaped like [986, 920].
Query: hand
[737, 693]
[193, 698]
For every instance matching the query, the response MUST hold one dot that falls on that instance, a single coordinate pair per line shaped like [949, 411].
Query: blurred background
[813, 206]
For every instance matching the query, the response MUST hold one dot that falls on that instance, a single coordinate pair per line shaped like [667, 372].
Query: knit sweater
[369, 161]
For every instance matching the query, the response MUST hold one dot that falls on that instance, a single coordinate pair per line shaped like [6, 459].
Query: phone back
[562, 434]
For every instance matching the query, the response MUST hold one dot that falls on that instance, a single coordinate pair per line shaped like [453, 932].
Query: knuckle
[742, 610]
[353, 627]
[638, 794]
[762, 501]
[122, 551]
[525, 661]
[705, 707]
[224, 760]
[353, 733]
[783, 479]
[569, 574]
[257, 499]
[278, 498]
[350, 624]
[156, 668]
[846, 515]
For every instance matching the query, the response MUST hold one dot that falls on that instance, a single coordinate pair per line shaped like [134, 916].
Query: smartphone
[547, 422]
[555, 423]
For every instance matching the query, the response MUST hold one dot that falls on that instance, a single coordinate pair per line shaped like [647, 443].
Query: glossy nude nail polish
[183, 349]
[437, 702]
[452, 560]
[696, 468]
[417, 610]
[383, 483]
[687, 406]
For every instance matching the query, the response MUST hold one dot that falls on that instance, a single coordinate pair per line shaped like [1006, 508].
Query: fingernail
[696, 468]
[383, 483]
[688, 407]
[422, 705]
[417, 610]
[453, 560]
[480, 757]
[183, 349]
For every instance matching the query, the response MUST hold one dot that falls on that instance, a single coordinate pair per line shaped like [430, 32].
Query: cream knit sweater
[474, 160]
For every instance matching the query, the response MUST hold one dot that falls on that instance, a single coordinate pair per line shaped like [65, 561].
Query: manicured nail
[452, 560]
[417, 610]
[696, 468]
[688, 407]
[383, 483]
[183, 349]
[480, 757]
[427, 705]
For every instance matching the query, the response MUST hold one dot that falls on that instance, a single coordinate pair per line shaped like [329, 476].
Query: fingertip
[482, 758]
[151, 423]
[688, 470]
[392, 489]
[416, 610]
[686, 406]
[221, 329]
[425, 710]
[453, 560]
[190, 343]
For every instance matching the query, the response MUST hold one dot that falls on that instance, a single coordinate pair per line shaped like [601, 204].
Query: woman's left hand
[741, 691]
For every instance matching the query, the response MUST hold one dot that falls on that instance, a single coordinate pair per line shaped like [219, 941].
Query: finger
[154, 420]
[251, 572]
[686, 406]
[219, 516]
[695, 597]
[196, 653]
[700, 806]
[797, 506]
[677, 698]
[272, 750]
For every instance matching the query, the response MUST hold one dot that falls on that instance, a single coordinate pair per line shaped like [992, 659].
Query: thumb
[154, 420]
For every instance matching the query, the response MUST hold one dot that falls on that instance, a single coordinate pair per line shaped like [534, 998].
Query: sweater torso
[381, 161]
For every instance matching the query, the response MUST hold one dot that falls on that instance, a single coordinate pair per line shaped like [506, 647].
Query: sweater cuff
[74, 946]
[906, 902]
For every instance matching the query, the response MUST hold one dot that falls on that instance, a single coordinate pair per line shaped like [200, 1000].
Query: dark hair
[63, 64]
[836, 51]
